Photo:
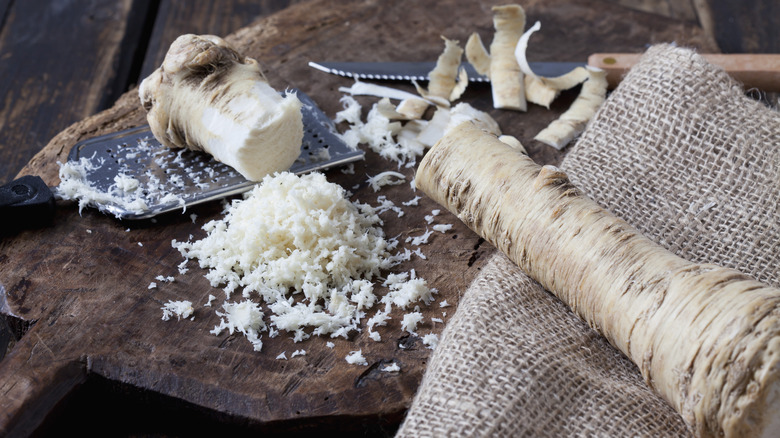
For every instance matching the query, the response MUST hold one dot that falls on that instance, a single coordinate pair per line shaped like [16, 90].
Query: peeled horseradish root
[207, 97]
[706, 338]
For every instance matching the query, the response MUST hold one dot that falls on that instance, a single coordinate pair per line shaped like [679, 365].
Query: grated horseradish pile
[311, 256]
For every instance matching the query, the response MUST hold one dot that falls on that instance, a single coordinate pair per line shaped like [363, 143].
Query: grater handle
[25, 202]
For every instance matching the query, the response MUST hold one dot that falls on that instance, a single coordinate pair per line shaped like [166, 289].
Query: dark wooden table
[62, 62]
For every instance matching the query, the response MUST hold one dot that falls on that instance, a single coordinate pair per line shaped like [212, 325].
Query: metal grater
[194, 177]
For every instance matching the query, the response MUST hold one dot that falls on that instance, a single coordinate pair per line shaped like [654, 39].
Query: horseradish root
[706, 338]
[208, 97]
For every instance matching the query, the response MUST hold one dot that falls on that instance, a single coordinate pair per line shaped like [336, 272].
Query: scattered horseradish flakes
[308, 252]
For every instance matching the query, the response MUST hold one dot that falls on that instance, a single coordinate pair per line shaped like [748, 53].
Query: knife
[418, 71]
[761, 71]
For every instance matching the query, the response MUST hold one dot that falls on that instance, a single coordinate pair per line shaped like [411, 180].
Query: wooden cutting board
[79, 287]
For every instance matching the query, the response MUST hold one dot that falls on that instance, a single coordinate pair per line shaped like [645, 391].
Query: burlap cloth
[679, 152]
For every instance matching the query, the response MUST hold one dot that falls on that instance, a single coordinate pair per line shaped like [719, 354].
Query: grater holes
[112, 155]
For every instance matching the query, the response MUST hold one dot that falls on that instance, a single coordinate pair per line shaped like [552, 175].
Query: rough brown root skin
[706, 338]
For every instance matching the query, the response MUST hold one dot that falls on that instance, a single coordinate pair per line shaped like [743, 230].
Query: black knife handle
[27, 201]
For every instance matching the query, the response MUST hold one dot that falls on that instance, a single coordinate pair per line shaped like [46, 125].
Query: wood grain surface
[40, 96]
[81, 282]
[177, 17]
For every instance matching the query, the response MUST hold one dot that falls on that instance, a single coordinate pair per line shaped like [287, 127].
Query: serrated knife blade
[753, 70]
[418, 71]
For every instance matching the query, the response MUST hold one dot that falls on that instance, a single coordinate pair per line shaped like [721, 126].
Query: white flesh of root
[513, 142]
[208, 97]
[367, 89]
[706, 338]
[445, 119]
[413, 108]
[385, 108]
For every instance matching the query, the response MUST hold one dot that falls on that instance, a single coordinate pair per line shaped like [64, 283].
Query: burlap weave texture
[679, 152]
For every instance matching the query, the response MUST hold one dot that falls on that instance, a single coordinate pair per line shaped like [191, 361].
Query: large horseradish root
[706, 338]
[208, 97]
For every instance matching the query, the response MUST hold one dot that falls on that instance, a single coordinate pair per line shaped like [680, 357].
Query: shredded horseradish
[406, 289]
[421, 239]
[414, 202]
[431, 340]
[410, 322]
[392, 368]
[356, 358]
[442, 228]
[308, 253]
[385, 205]
[75, 186]
[181, 309]
[245, 317]
[386, 178]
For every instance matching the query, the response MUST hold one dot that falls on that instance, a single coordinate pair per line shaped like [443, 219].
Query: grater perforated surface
[194, 177]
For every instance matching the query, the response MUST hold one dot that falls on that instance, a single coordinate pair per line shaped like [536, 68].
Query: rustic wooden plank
[178, 17]
[745, 26]
[82, 52]
[84, 278]
[678, 9]
[737, 26]
[5, 6]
